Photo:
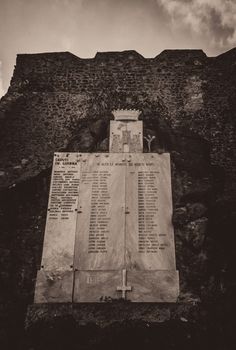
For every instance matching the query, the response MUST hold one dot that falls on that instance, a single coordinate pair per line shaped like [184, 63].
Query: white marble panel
[96, 286]
[149, 230]
[153, 286]
[101, 219]
[54, 286]
[59, 239]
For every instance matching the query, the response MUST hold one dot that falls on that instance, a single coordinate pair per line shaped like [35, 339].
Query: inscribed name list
[125, 211]
[108, 212]
[58, 249]
[101, 222]
[149, 230]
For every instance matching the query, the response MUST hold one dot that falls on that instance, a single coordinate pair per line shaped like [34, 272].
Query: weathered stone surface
[196, 210]
[59, 240]
[98, 128]
[146, 286]
[149, 213]
[96, 286]
[179, 216]
[195, 232]
[54, 286]
[90, 325]
[104, 146]
[153, 286]
[192, 211]
[101, 220]
[85, 141]
[174, 88]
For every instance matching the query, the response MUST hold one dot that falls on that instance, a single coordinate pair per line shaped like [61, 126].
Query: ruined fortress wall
[59, 102]
[51, 93]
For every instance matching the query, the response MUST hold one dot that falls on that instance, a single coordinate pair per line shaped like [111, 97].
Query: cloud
[213, 20]
[87, 26]
[222, 34]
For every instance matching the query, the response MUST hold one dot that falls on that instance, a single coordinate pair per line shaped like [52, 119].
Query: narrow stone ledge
[106, 314]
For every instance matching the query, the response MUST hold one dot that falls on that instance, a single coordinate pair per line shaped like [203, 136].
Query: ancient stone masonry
[50, 93]
[58, 102]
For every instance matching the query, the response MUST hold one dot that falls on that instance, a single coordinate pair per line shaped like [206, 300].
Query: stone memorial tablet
[109, 233]
[136, 249]
[56, 272]
[149, 231]
[101, 221]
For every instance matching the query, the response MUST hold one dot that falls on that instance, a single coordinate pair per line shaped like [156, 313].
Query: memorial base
[114, 325]
[145, 286]
[99, 286]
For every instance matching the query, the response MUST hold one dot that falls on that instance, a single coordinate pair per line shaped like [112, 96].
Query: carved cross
[124, 288]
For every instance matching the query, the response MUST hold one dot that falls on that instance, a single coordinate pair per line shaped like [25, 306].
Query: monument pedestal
[115, 325]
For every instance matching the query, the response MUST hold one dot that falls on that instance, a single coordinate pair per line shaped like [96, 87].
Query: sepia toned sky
[84, 27]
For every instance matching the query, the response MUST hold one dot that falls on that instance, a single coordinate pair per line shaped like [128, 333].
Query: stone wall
[59, 102]
[51, 93]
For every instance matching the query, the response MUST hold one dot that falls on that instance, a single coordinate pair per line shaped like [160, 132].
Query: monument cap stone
[126, 114]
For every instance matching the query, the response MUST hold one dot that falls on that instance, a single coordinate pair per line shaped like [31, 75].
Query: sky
[85, 27]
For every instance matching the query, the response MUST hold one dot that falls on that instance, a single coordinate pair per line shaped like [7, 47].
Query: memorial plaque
[149, 230]
[109, 233]
[101, 220]
[134, 191]
[59, 239]
[150, 249]
[55, 279]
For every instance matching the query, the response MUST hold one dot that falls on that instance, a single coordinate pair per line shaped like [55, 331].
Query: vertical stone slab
[99, 247]
[101, 226]
[116, 135]
[126, 136]
[150, 249]
[149, 230]
[59, 239]
[135, 129]
[55, 279]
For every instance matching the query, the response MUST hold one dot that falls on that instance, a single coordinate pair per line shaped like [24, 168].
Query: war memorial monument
[117, 202]
[109, 232]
